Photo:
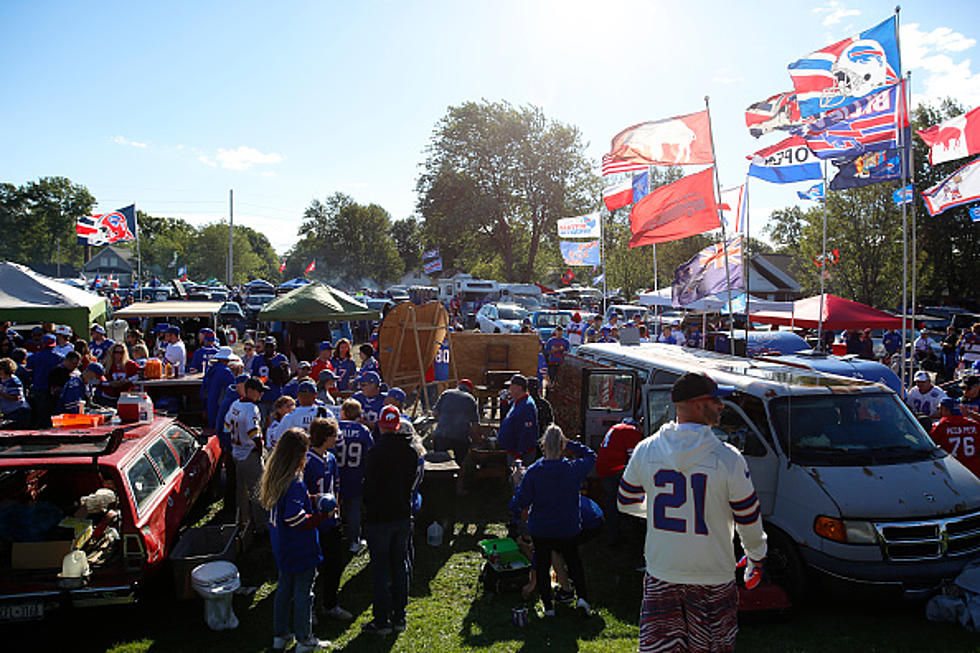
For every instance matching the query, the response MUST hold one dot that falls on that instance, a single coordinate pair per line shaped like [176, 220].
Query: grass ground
[449, 611]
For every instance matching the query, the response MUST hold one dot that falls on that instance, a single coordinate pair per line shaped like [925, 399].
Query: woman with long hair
[87, 358]
[343, 365]
[550, 488]
[293, 534]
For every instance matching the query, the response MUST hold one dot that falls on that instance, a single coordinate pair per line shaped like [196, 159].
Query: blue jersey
[41, 363]
[199, 361]
[892, 341]
[260, 367]
[370, 365]
[352, 445]
[518, 433]
[320, 475]
[556, 348]
[99, 349]
[346, 371]
[370, 407]
[230, 397]
[542, 367]
[294, 547]
[14, 387]
[440, 368]
[73, 392]
[218, 377]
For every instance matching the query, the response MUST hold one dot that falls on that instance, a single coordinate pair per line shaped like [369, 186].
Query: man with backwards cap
[924, 397]
[370, 397]
[204, 353]
[518, 433]
[698, 491]
[99, 344]
[176, 352]
[78, 391]
[243, 423]
[957, 434]
[322, 361]
[63, 345]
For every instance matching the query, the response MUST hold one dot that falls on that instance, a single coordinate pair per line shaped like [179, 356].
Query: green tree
[495, 180]
[208, 254]
[43, 214]
[408, 234]
[785, 228]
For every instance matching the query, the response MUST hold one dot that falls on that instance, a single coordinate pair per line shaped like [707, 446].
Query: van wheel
[785, 567]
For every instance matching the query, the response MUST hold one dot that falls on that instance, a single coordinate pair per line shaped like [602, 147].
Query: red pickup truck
[119, 493]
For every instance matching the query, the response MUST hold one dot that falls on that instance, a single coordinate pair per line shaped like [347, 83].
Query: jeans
[350, 513]
[332, 566]
[297, 589]
[388, 544]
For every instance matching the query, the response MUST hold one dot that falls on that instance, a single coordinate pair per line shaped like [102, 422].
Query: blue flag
[580, 253]
[641, 185]
[786, 162]
[868, 125]
[866, 169]
[975, 213]
[182, 270]
[903, 195]
[704, 274]
[815, 192]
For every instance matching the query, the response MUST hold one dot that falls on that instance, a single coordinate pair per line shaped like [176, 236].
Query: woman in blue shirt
[13, 404]
[343, 365]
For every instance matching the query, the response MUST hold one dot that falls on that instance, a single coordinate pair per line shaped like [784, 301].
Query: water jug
[434, 534]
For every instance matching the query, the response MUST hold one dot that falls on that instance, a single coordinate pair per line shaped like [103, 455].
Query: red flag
[568, 276]
[612, 166]
[618, 196]
[682, 140]
[310, 267]
[282, 266]
[678, 210]
[953, 138]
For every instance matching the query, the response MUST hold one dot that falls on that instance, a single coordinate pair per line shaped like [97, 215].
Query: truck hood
[930, 488]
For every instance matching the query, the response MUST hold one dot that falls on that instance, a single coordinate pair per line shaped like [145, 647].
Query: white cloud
[244, 158]
[836, 12]
[941, 76]
[122, 140]
[207, 161]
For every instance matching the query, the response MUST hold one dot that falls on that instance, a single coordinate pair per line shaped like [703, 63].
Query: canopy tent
[315, 302]
[26, 296]
[838, 313]
[295, 283]
[713, 303]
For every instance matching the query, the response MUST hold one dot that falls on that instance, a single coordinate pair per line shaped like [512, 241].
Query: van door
[658, 409]
[608, 395]
[738, 430]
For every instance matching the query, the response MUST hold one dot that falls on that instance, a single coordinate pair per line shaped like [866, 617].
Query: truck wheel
[785, 567]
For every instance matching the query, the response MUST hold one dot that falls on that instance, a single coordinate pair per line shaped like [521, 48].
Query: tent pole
[747, 261]
[823, 259]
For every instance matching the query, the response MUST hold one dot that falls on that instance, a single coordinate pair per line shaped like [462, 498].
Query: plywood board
[408, 341]
[470, 352]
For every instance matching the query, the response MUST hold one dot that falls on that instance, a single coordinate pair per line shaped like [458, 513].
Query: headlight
[860, 532]
[845, 531]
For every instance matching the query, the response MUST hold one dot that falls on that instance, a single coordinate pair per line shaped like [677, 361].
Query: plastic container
[200, 545]
[433, 535]
[153, 369]
[72, 420]
[135, 407]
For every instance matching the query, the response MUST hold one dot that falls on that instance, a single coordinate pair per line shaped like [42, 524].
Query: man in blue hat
[217, 377]
[40, 364]
[99, 344]
[306, 409]
[78, 391]
[518, 433]
[204, 353]
[159, 340]
[370, 397]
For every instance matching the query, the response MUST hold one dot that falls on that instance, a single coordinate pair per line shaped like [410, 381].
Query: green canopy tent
[315, 302]
[26, 296]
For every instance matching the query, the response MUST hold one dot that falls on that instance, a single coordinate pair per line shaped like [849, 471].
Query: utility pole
[231, 235]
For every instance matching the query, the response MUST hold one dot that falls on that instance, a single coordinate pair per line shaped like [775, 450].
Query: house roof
[123, 255]
[766, 275]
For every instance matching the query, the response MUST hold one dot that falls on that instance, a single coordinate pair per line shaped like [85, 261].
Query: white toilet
[216, 583]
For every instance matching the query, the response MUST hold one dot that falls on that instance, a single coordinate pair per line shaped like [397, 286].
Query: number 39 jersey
[352, 444]
[698, 490]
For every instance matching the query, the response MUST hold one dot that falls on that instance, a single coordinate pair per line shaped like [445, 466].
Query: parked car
[503, 317]
[545, 322]
[148, 294]
[627, 312]
[147, 477]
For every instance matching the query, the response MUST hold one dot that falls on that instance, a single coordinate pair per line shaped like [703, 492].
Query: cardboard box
[39, 555]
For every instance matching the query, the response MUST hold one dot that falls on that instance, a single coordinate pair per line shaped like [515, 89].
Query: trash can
[198, 546]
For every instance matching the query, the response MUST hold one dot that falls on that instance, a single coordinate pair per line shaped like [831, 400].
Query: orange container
[69, 420]
[153, 369]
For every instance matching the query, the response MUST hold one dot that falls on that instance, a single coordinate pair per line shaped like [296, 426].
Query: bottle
[169, 370]
[433, 534]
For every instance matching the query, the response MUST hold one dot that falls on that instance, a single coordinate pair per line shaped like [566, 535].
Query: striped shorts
[676, 617]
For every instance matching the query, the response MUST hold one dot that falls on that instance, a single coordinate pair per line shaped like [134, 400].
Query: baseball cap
[390, 418]
[206, 331]
[208, 338]
[397, 394]
[173, 330]
[370, 377]
[467, 383]
[161, 328]
[47, 339]
[327, 374]
[921, 375]
[306, 386]
[692, 385]
[325, 345]
[242, 378]
[518, 379]
[577, 317]
[303, 364]
[255, 383]
[951, 404]
[270, 340]
[97, 328]
[96, 368]
[63, 330]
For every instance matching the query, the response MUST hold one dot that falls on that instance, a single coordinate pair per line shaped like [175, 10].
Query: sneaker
[376, 628]
[282, 643]
[583, 607]
[399, 625]
[312, 644]
[563, 596]
[357, 545]
[338, 613]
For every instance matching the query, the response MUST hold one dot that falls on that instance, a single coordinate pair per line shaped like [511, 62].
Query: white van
[850, 484]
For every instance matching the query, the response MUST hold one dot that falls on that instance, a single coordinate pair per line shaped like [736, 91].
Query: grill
[930, 540]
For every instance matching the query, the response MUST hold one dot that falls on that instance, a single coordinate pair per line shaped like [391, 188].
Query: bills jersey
[98, 349]
[302, 417]
[924, 404]
[320, 475]
[352, 445]
[242, 422]
[370, 406]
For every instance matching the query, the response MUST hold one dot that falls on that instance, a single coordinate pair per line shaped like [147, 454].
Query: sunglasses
[117, 351]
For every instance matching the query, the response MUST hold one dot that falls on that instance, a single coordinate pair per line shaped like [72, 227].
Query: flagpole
[823, 259]
[602, 255]
[724, 241]
[905, 253]
[231, 235]
[911, 182]
[746, 267]
[139, 255]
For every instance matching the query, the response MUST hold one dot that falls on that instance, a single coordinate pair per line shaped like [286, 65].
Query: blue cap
[98, 328]
[208, 337]
[175, 330]
[306, 386]
[96, 368]
[397, 394]
[325, 345]
[327, 374]
[951, 404]
[37, 330]
[161, 328]
[370, 377]
[48, 339]
[241, 378]
[206, 331]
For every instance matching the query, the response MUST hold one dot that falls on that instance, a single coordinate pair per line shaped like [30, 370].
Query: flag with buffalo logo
[107, 228]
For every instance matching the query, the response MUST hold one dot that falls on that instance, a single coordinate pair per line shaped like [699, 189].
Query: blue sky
[170, 105]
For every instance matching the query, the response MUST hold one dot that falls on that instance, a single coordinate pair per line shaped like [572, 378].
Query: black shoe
[562, 596]
[377, 628]
[399, 625]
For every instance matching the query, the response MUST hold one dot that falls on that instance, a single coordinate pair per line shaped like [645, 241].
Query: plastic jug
[433, 535]
[74, 565]
[153, 369]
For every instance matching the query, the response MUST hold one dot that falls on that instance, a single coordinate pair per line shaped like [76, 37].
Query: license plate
[21, 611]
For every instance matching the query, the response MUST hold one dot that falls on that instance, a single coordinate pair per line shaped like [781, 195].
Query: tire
[784, 565]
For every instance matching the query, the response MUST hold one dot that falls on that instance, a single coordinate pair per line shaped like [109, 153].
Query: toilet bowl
[216, 583]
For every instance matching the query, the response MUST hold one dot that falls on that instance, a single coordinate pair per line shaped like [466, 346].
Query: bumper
[34, 605]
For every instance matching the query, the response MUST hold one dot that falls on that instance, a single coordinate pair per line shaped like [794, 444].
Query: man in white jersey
[698, 492]
[924, 397]
[306, 411]
[242, 422]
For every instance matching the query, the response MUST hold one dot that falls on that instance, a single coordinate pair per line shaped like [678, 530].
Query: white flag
[582, 226]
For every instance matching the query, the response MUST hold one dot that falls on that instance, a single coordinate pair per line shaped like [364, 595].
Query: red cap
[466, 382]
[390, 418]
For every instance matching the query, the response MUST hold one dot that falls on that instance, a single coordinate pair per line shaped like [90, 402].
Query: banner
[678, 210]
[599, 279]
[611, 166]
[310, 268]
[583, 226]
[705, 273]
[814, 192]
[903, 195]
[786, 162]
[866, 125]
[282, 266]
[107, 228]
[682, 140]
[866, 169]
[435, 265]
[842, 73]
[430, 253]
[954, 138]
[182, 271]
[975, 213]
[961, 187]
[580, 253]
[641, 185]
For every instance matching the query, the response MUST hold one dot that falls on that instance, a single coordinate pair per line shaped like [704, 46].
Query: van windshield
[845, 430]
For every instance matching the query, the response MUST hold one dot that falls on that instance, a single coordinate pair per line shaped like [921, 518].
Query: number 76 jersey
[352, 444]
[960, 437]
[698, 491]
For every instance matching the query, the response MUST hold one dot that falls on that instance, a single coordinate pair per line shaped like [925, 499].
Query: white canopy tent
[714, 303]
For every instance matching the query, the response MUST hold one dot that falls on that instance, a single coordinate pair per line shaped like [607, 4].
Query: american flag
[612, 166]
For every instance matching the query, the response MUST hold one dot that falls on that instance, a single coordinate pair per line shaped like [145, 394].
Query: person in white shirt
[63, 345]
[698, 492]
[923, 344]
[306, 411]
[176, 352]
[924, 397]
[666, 336]
[242, 421]
[282, 407]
